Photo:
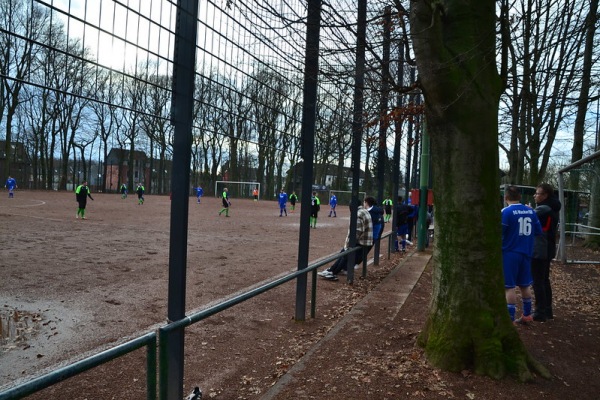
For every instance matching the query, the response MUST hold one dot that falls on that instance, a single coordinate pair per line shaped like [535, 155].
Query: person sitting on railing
[364, 239]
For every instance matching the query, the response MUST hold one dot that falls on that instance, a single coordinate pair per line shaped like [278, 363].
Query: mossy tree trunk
[468, 325]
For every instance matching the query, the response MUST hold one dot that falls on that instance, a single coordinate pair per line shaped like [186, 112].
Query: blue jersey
[520, 225]
[199, 192]
[11, 183]
[283, 198]
[333, 201]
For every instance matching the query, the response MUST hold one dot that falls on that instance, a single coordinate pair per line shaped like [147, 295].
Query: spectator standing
[402, 213]
[283, 198]
[376, 216]
[82, 192]
[411, 221]
[364, 239]
[520, 225]
[428, 222]
[199, 193]
[140, 193]
[547, 210]
[315, 207]
[332, 205]
[293, 200]
[225, 201]
[387, 206]
[11, 185]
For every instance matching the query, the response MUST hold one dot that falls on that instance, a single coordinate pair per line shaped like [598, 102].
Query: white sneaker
[408, 242]
[325, 273]
[357, 266]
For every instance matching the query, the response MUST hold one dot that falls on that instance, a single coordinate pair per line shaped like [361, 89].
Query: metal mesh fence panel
[91, 85]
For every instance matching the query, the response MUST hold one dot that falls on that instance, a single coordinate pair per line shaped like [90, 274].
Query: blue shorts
[402, 230]
[377, 231]
[517, 269]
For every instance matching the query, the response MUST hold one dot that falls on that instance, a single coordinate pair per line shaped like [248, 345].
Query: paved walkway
[357, 327]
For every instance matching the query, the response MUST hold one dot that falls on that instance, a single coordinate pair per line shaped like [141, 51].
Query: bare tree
[236, 126]
[584, 93]
[267, 95]
[544, 50]
[17, 53]
[207, 139]
[135, 92]
[155, 123]
[109, 118]
[290, 135]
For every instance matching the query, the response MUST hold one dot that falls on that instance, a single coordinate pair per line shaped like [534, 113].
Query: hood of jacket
[552, 202]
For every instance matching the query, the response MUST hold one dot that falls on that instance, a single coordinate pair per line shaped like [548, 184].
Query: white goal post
[344, 196]
[237, 190]
[595, 178]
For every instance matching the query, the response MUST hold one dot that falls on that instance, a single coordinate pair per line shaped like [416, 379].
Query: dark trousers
[540, 272]
[411, 226]
[342, 262]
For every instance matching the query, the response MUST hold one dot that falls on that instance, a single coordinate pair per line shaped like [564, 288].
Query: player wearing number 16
[520, 225]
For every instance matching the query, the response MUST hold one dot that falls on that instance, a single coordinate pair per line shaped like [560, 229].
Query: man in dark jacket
[376, 213]
[547, 210]
[402, 212]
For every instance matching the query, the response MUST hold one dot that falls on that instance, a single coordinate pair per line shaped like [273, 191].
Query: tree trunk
[468, 325]
[582, 106]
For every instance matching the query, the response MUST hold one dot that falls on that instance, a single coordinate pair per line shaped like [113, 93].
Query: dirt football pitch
[70, 287]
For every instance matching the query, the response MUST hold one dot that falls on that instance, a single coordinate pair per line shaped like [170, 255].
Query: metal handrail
[35, 385]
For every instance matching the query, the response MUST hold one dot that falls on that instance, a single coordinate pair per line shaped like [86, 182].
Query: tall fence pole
[382, 159]
[181, 117]
[398, 138]
[357, 125]
[311, 73]
[423, 186]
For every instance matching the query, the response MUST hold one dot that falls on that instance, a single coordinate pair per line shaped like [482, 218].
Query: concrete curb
[390, 294]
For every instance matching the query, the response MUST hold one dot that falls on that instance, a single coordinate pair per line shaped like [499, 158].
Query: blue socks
[512, 310]
[527, 306]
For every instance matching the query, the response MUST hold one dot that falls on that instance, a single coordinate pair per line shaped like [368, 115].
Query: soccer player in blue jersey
[520, 225]
[283, 198]
[199, 193]
[411, 220]
[11, 185]
[402, 213]
[332, 205]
